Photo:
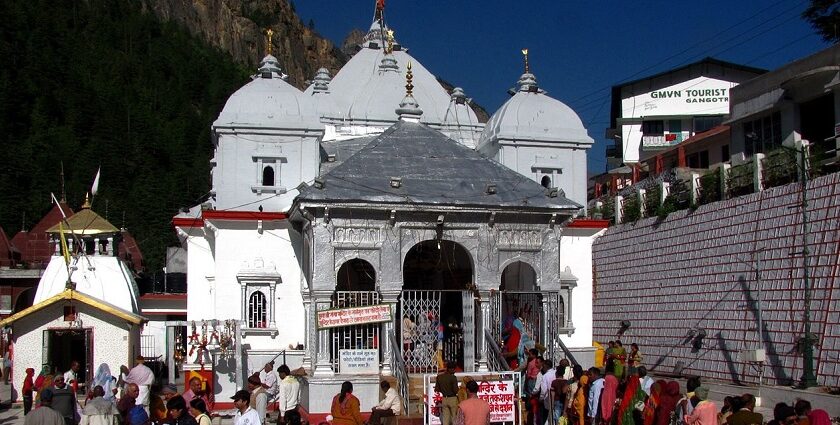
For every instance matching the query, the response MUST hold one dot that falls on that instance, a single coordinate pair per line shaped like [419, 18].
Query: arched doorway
[437, 307]
[355, 286]
[536, 314]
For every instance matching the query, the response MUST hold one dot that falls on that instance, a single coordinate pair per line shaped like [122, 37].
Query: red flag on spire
[380, 5]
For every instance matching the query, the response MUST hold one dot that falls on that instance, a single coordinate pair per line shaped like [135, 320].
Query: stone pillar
[323, 363]
[388, 328]
[272, 289]
[244, 304]
[724, 181]
[110, 246]
[567, 304]
[665, 191]
[642, 196]
[548, 338]
[758, 172]
[619, 213]
[309, 333]
[483, 322]
[695, 188]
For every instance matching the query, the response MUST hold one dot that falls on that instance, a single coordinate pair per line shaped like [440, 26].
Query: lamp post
[809, 378]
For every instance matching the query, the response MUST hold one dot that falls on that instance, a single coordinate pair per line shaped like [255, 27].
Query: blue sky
[578, 49]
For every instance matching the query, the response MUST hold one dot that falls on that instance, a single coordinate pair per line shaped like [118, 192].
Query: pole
[760, 321]
[809, 379]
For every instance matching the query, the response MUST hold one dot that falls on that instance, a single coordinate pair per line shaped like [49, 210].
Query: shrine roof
[434, 170]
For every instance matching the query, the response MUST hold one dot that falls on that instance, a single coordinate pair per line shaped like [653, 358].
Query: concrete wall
[696, 270]
[115, 341]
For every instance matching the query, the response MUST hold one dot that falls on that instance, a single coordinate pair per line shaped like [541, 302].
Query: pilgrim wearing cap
[705, 413]
[245, 415]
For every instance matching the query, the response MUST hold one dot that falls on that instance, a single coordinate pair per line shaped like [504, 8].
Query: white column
[484, 321]
[548, 339]
[272, 289]
[388, 328]
[323, 365]
[110, 246]
[244, 304]
[309, 336]
[758, 172]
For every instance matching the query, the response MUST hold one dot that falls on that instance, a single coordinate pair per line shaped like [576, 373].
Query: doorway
[63, 346]
[437, 307]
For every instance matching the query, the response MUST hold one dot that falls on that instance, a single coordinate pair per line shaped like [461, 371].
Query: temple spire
[268, 35]
[527, 66]
[409, 109]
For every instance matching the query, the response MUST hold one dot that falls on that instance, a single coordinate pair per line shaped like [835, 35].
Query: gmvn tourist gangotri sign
[354, 316]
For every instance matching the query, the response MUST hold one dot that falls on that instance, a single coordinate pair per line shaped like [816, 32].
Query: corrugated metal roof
[434, 170]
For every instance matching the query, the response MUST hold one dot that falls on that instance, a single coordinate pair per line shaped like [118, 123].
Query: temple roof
[434, 170]
[71, 295]
[85, 222]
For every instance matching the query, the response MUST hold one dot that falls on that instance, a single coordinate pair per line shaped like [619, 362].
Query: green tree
[824, 16]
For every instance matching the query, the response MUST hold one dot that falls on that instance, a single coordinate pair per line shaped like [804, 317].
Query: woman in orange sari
[579, 403]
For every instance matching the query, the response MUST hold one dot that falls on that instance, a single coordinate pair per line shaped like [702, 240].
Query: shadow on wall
[691, 337]
[727, 355]
[769, 346]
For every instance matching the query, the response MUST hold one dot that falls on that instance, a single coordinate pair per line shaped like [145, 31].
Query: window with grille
[257, 307]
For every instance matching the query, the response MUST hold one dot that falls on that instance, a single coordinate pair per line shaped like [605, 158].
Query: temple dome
[365, 91]
[532, 115]
[268, 101]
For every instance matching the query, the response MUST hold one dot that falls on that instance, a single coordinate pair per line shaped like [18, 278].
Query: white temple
[351, 193]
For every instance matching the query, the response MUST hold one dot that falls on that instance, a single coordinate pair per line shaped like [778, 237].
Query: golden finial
[269, 33]
[86, 205]
[390, 41]
[408, 77]
[527, 67]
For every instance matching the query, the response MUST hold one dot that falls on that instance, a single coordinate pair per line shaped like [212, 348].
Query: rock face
[238, 27]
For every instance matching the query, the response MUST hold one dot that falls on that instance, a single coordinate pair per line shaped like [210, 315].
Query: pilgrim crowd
[623, 394]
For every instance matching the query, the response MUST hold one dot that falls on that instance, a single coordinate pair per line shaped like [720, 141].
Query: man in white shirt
[71, 377]
[289, 394]
[391, 405]
[549, 375]
[595, 393]
[245, 415]
[269, 380]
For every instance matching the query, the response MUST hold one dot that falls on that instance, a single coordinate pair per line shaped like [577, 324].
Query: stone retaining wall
[695, 271]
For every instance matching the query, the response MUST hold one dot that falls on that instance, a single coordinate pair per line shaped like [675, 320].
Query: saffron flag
[64, 251]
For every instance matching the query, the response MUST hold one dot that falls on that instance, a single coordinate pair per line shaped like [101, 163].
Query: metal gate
[428, 341]
[528, 307]
[357, 336]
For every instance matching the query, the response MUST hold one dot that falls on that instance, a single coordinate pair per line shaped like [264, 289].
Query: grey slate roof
[435, 171]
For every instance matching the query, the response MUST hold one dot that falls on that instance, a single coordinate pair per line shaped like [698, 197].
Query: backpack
[137, 416]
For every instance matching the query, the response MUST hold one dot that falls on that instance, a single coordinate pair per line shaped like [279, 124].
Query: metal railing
[398, 368]
[495, 359]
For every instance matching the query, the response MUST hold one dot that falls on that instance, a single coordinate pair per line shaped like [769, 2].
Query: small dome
[532, 115]
[319, 92]
[459, 111]
[268, 101]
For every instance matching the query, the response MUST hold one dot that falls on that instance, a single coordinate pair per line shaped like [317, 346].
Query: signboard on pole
[339, 317]
[500, 395]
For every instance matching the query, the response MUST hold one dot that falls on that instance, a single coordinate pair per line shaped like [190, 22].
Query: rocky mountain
[238, 27]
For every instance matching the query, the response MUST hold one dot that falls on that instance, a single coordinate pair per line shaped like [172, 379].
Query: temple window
[268, 176]
[257, 310]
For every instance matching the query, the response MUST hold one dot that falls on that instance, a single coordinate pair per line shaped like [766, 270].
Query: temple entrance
[522, 315]
[355, 287]
[63, 346]
[437, 307]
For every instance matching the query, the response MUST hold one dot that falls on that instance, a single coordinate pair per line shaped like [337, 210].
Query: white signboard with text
[699, 96]
[339, 317]
[362, 361]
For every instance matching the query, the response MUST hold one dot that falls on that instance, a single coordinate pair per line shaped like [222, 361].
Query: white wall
[112, 340]
[576, 254]
[296, 159]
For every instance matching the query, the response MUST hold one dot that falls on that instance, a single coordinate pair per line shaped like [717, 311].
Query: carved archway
[356, 275]
[438, 265]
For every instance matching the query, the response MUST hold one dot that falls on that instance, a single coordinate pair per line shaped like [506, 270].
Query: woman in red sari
[667, 403]
[653, 401]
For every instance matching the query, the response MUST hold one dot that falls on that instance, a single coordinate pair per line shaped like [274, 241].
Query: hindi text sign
[362, 361]
[500, 395]
[354, 316]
